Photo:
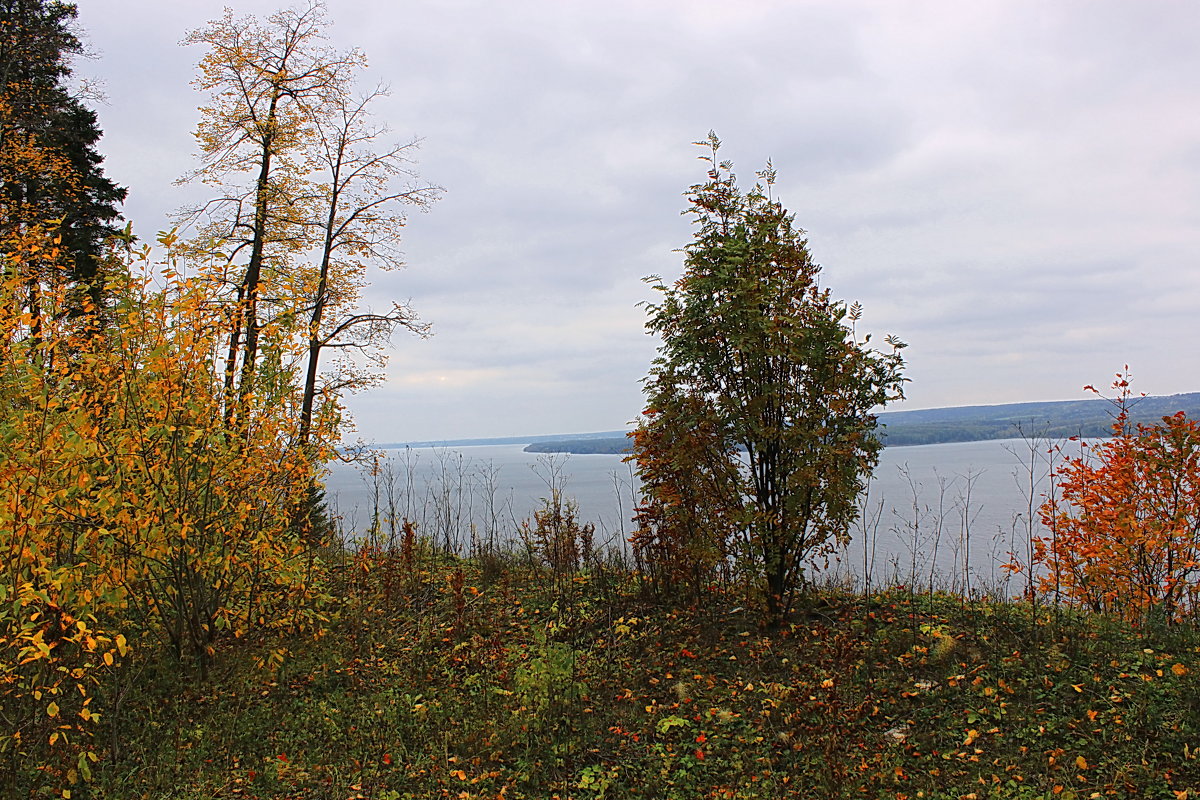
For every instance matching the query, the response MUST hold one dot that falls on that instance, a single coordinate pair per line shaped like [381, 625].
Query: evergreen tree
[51, 180]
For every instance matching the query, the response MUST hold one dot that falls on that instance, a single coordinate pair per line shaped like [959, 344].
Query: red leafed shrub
[1124, 523]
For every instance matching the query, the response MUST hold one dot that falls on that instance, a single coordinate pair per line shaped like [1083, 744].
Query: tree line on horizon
[1056, 419]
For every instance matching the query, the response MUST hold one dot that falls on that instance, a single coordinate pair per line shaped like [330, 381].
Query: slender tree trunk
[314, 326]
[250, 284]
[35, 311]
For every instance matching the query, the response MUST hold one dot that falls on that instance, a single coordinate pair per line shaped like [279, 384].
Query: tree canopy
[308, 194]
[762, 375]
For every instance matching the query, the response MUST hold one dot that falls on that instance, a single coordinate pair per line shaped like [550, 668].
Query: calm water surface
[947, 513]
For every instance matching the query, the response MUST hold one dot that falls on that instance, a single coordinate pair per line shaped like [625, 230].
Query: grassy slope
[514, 684]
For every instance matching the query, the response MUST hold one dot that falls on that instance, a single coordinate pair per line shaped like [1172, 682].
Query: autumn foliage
[760, 432]
[164, 418]
[131, 514]
[1124, 524]
[688, 518]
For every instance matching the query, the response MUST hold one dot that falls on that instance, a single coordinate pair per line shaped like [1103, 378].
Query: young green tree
[765, 357]
[51, 181]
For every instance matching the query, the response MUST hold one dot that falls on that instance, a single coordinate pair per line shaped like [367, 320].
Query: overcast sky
[1011, 187]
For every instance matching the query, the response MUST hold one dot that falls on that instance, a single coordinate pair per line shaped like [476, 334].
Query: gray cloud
[1012, 187]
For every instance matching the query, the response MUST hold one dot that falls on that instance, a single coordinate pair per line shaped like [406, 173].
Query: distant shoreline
[1062, 419]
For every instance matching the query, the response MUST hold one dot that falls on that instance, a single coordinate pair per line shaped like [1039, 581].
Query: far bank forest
[1081, 419]
[183, 616]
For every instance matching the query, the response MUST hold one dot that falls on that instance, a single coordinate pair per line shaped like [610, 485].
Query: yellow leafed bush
[134, 510]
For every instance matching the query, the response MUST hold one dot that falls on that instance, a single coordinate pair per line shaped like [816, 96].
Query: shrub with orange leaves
[1124, 524]
[687, 518]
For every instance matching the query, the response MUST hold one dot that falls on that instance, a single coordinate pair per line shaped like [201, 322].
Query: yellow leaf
[122, 645]
[1179, 669]
[108, 659]
[1081, 762]
[52, 709]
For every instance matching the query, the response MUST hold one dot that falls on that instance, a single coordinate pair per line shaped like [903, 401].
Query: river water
[946, 515]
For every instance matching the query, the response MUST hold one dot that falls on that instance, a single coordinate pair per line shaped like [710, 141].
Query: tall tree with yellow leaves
[327, 200]
[267, 83]
[365, 187]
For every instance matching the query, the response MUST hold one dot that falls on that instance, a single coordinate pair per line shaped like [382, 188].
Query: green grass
[510, 684]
